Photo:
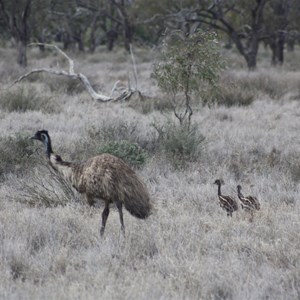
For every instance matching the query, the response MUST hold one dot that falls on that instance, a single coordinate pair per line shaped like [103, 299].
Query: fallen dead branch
[124, 93]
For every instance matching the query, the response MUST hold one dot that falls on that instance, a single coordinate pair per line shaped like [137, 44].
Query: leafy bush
[187, 62]
[16, 154]
[131, 153]
[25, 98]
[119, 139]
[180, 144]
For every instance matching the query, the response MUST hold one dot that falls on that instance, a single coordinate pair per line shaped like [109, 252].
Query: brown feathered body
[105, 177]
[248, 202]
[108, 178]
[226, 202]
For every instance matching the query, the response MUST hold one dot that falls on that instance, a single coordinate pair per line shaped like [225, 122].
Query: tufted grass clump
[16, 154]
[115, 132]
[25, 98]
[65, 85]
[180, 144]
[46, 188]
[231, 92]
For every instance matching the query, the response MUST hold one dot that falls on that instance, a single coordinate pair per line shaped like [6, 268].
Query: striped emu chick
[105, 177]
[249, 203]
[226, 202]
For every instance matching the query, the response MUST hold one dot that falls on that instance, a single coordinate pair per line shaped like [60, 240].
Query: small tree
[187, 63]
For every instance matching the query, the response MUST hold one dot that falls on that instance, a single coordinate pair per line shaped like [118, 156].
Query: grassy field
[188, 248]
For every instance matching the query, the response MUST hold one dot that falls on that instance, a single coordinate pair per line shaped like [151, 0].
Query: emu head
[219, 182]
[43, 136]
[239, 188]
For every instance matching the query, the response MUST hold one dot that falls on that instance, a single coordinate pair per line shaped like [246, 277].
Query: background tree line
[86, 24]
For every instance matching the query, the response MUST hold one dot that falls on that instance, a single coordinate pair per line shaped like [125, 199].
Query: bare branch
[125, 93]
[71, 62]
[51, 71]
[134, 66]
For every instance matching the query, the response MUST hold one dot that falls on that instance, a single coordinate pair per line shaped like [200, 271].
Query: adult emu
[105, 177]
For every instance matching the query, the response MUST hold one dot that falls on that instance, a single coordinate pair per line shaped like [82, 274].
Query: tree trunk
[247, 42]
[290, 45]
[66, 40]
[22, 57]
[111, 36]
[42, 41]
[92, 41]
[251, 61]
[127, 26]
[276, 43]
[280, 48]
[128, 35]
[251, 52]
[272, 44]
[80, 43]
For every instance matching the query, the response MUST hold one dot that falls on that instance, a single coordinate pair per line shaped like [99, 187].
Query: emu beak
[33, 137]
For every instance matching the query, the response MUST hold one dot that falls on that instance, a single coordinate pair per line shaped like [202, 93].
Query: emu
[249, 203]
[105, 177]
[226, 202]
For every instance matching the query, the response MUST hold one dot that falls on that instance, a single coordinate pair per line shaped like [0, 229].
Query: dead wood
[124, 93]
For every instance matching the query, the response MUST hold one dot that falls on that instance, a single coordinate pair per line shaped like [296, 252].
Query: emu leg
[251, 215]
[119, 206]
[105, 214]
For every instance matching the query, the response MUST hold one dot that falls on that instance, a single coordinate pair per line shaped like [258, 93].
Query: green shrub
[131, 153]
[16, 154]
[180, 144]
[24, 98]
[187, 62]
[119, 139]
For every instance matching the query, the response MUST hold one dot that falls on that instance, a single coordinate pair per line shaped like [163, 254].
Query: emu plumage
[105, 177]
[226, 202]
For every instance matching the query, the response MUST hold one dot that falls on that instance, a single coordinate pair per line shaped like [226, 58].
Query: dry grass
[188, 249]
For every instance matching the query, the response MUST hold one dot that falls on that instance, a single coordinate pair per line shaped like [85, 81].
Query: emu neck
[240, 195]
[48, 147]
[62, 167]
[219, 189]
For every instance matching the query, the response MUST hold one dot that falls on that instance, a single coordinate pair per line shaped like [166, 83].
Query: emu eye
[43, 137]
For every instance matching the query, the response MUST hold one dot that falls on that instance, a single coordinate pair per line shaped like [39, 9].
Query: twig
[134, 66]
